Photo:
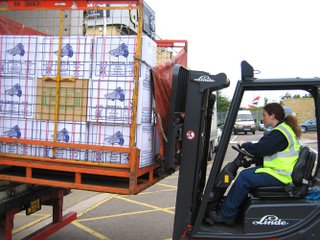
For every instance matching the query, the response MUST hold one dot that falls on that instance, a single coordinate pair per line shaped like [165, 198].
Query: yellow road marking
[97, 234]
[33, 214]
[94, 206]
[145, 204]
[90, 231]
[120, 215]
[167, 185]
[116, 215]
[26, 226]
[172, 176]
[165, 190]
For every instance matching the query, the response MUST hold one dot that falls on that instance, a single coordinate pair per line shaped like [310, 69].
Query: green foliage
[307, 95]
[295, 96]
[223, 103]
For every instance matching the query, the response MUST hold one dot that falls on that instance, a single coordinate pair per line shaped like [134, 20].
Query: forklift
[268, 212]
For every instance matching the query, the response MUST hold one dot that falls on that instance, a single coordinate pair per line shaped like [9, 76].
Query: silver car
[309, 125]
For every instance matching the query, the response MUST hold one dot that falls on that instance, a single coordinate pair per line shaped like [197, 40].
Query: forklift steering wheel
[244, 152]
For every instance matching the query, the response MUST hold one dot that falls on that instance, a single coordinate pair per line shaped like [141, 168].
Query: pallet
[111, 178]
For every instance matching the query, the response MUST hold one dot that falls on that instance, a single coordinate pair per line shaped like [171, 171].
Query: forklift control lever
[244, 152]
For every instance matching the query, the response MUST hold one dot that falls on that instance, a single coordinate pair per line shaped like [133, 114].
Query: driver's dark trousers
[244, 183]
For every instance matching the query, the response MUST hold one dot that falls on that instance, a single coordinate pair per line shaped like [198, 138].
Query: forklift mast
[189, 132]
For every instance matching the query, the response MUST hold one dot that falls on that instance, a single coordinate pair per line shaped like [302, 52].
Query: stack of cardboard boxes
[17, 91]
[95, 95]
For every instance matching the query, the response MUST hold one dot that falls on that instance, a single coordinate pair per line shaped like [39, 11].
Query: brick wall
[302, 107]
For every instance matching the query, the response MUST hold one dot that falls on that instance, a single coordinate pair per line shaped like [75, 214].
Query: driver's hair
[279, 114]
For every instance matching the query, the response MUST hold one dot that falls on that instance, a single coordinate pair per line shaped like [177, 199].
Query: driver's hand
[240, 143]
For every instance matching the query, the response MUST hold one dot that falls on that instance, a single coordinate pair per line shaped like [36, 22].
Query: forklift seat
[301, 179]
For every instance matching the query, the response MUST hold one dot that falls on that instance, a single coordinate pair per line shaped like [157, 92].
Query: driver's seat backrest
[301, 179]
[302, 171]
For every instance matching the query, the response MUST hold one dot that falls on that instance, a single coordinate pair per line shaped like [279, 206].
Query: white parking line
[233, 140]
[314, 150]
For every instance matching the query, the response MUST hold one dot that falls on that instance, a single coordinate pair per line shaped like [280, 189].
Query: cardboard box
[146, 143]
[19, 129]
[72, 100]
[118, 136]
[103, 134]
[144, 108]
[65, 153]
[75, 56]
[108, 157]
[149, 51]
[111, 100]
[17, 96]
[19, 55]
[114, 56]
[68, 132]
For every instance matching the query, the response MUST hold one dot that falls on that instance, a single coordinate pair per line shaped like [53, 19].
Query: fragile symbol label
[190, 135]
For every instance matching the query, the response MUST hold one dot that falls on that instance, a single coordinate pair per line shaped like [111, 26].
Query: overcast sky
[281, 38]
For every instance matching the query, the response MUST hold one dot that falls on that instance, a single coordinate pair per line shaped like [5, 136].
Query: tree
[223, 103]
[307, 95]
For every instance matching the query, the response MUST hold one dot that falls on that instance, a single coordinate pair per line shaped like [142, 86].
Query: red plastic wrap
[162, 81]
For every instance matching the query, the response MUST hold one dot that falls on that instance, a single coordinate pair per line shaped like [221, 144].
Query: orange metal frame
[61, 4]
[130, 177]
[172, 43]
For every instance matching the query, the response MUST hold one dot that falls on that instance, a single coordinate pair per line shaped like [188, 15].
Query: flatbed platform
[30, 198]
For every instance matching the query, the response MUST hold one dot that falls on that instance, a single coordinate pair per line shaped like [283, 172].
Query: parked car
[244, 123]
[260, 126]
[309, 125]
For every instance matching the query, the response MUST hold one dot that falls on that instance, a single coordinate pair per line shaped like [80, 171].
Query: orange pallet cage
[69, 95]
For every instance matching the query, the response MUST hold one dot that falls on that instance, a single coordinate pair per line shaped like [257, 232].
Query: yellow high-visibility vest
[281, 164]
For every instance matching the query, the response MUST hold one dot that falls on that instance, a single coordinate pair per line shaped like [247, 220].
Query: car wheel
[253, 132]
[234, 132]
[303, 129]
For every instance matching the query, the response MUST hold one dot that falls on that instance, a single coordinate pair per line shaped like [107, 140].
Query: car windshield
[244, 117]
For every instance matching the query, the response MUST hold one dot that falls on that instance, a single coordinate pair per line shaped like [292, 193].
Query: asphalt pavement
[147, 215]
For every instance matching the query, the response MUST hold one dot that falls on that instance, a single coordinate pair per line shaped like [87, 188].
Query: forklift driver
[278, 152]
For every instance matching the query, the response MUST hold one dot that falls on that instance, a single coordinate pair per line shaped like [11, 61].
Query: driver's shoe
[217, 218]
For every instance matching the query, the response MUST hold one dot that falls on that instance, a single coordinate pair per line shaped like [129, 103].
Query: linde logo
[270, 220]
[204, 78]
